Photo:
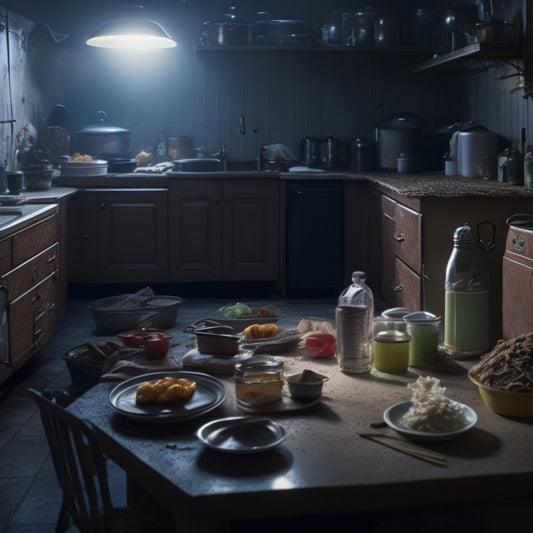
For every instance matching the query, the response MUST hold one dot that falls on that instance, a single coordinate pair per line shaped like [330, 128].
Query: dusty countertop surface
[407, 185]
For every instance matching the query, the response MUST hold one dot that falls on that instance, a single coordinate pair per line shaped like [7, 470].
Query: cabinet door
[388, 251]
[82, 238]
[407, 236]
[250, 221]
[133, 236]
[195, 230]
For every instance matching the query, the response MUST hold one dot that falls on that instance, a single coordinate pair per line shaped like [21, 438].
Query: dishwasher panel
[315, 238]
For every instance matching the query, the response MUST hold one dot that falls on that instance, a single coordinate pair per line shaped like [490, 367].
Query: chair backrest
[79, 464]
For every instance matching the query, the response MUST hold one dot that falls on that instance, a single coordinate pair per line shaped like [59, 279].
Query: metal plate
[393, 416]
[241, 434]
[210, 393]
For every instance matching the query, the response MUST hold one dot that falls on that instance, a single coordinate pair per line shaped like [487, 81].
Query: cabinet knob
[52, 258]
[398, 288]
[102, 207]
[399, 238]
[85, 237]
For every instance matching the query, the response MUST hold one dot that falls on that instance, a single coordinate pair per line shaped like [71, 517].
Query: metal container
[310, 151]
[362, 155]
[398, 134]
[103, 140]
[157, 311]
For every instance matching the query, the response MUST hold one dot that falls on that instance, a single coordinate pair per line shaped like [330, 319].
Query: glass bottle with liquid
[466, 304]
[354, 317]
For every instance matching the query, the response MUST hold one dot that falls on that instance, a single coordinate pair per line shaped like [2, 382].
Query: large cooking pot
[102, 140]
[399, 134]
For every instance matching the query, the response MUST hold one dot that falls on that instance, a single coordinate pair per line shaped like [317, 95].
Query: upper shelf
[481, 51]
[294, 48]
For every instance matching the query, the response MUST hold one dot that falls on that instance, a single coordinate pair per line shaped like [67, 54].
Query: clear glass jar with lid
[258, 381]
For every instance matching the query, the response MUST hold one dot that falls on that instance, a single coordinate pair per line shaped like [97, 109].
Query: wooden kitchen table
[323, 466]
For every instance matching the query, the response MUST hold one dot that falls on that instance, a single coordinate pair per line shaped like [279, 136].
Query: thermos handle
[491, 243]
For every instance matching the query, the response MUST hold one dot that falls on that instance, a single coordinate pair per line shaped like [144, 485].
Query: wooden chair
[82, 474]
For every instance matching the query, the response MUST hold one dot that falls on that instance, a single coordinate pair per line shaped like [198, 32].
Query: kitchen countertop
[410, 185]
[15, 218]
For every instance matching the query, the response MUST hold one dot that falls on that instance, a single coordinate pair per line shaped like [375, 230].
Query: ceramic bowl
[502, 402]
[307, 386]
[156, 344]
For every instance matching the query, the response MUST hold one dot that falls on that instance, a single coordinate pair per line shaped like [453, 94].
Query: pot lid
[401, 122]
[100, 128]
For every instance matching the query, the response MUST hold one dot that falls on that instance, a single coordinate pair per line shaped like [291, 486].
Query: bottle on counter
[354, 317]
[466, 304]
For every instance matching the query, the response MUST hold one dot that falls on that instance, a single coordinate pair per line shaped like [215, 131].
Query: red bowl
[156, 344]
[133, 338]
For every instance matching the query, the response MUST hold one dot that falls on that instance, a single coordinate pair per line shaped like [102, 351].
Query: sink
[204, 164]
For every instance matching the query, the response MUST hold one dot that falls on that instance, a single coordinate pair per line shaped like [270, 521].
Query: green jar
[424, 329]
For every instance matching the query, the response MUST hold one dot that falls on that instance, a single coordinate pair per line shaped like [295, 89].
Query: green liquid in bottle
[466, 322]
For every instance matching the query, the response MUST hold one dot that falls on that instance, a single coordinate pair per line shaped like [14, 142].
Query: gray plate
[210, 393]
[241, 434]
[393, 416]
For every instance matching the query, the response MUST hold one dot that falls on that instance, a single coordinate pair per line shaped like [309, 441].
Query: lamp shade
[131, 34]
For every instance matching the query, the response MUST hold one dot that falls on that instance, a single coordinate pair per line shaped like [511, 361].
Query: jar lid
[396, 313]
[258, 365]
[421, 317]
[392, 336]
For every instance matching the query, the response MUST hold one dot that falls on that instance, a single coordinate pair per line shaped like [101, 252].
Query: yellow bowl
[504, 402]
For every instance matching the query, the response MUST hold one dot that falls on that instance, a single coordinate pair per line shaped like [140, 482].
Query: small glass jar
[391, 346]
[424, 329]
[258, 381]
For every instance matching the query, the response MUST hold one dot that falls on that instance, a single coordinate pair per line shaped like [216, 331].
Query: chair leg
[63, 519]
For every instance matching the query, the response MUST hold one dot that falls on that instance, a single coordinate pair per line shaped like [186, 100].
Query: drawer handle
[34, 275]
[399, 238]
[398, 288]
[518, 244]
[52, 258]
[35, 298]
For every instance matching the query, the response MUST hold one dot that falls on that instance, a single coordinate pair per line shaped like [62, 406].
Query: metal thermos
[466, 304]
[362, 155]
[310, 152]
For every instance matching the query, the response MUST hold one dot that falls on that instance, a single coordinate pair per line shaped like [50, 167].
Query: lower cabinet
[30, 292]
[417, 240]
[118, 236]
[224, 230]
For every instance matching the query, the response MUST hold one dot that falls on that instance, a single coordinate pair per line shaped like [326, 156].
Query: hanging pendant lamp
[134, 33]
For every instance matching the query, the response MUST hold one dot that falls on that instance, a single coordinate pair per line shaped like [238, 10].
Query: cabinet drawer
[404, 289]
[408, 236]
[31, 273]
[34, 239]
[5, 255]
[32, 321]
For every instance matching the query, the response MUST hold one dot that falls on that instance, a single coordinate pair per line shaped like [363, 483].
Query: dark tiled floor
[29, 493]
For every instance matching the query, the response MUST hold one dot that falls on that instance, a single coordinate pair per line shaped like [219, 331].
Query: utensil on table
[406, 447]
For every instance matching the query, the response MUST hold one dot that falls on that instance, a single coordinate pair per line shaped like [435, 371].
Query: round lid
[401, 122]
[100, 128]
[421, 317]
[396, 313]
[465, 235]
[258, 365]
[392, 336]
